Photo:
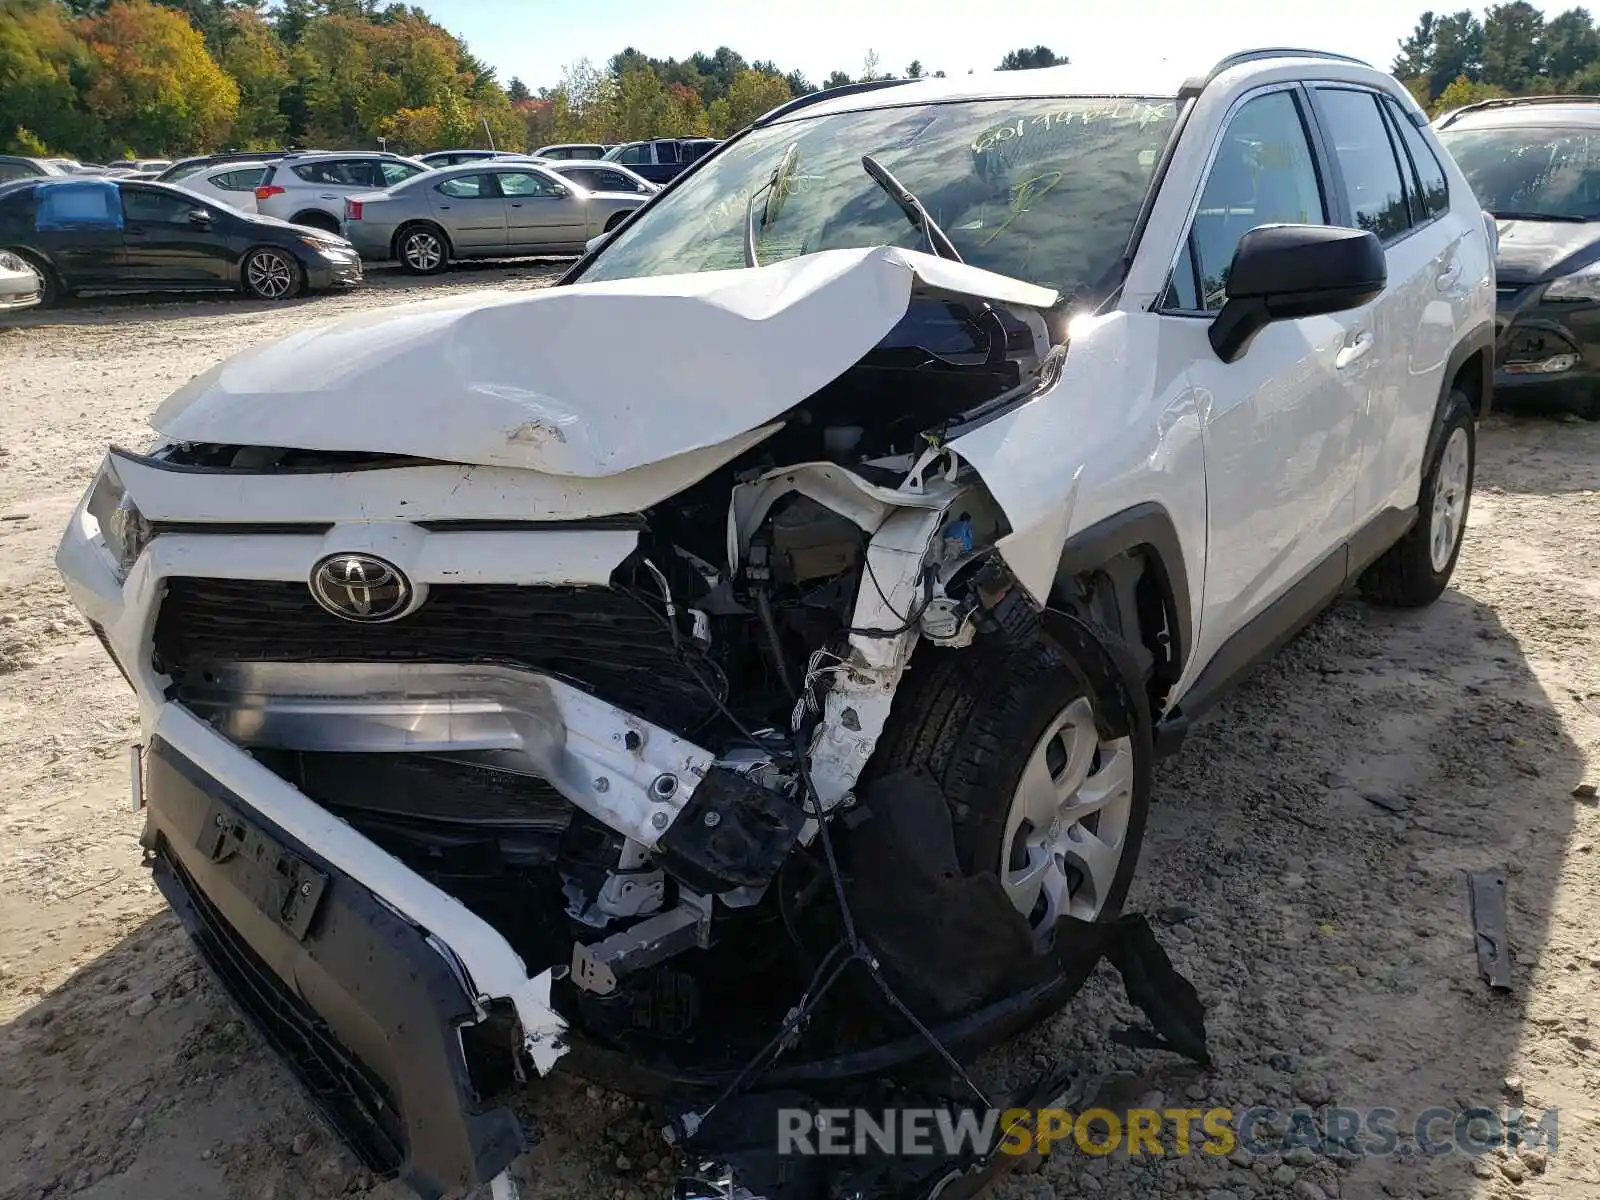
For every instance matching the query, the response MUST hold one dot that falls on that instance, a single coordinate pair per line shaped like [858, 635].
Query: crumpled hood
[588, 380]
[1530, 250]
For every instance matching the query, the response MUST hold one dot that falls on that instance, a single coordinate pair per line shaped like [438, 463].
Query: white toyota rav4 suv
[811, 578]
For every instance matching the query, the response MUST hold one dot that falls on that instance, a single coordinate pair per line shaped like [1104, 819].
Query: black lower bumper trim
[361, 1007]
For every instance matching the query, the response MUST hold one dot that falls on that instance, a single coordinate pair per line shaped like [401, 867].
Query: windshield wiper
[1536, 216]
[777, 190]
[938, 241]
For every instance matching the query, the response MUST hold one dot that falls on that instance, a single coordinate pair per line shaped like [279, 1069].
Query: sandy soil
[1328, 931]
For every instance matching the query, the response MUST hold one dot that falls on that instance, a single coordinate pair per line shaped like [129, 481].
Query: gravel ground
[1305, 862]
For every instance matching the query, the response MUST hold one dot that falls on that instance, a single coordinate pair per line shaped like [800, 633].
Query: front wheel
[1038, 794]
[271, 274]
[1417, 568]
[422, 250]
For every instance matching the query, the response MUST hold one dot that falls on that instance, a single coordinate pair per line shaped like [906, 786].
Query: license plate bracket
[279, 882]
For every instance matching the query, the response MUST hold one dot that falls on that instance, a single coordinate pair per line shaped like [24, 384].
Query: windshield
[1531, 172]
[1046, 190]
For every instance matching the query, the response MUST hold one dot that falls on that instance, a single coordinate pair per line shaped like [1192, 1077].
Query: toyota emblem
[360, 587]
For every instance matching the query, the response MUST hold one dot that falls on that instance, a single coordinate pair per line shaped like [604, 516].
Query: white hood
[588, 380]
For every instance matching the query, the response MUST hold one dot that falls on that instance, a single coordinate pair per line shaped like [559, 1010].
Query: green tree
[837, 79]
[1513, 51]
[1463, 91]
[45, 68]
[517, 91]
[254, 58]
[1025, 60]
[1457, 51]
[914, 71]
[752, 94]
[1571, 43]
[1415, 59]
[156, 89]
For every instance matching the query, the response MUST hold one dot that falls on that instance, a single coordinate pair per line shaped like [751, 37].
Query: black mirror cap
[1283, 272]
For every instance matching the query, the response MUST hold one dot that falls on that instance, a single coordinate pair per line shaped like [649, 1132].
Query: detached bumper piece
[365, 1011]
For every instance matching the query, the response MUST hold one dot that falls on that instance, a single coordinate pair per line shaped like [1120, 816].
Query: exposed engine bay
[652, 764]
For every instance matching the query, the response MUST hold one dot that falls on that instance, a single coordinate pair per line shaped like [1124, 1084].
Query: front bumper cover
[359, 1001]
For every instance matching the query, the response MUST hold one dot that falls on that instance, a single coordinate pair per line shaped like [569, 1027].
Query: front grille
[599, 638]
[352, 1097]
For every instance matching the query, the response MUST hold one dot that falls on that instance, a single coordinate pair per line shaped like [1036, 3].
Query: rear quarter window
[88, 205]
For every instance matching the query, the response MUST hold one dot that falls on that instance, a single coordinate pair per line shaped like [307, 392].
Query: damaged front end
[622, 705]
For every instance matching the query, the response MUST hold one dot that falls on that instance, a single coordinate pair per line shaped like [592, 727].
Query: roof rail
[849, 89]
[1244, 56]
[1511, 101]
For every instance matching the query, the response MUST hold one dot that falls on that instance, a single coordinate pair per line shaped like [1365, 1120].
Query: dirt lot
[1305, 860]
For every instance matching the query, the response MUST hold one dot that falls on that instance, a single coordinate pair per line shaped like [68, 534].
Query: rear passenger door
[472, 213]
[1394, 187]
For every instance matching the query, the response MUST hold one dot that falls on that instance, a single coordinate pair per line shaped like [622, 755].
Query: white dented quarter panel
[1118, 428]
[591, 380]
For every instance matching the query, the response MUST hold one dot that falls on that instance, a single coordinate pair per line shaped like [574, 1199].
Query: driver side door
[1279, 424]
[170, 240]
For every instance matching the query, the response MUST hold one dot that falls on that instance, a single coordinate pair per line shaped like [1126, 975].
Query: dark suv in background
[1534, 164]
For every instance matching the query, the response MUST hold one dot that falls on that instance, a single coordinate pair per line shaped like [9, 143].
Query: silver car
[20, 285]
[481, 210]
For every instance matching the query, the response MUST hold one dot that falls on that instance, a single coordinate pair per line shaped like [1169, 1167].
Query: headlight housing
[11, 262]
[123, 527]
[329, 249]
[1582, 284]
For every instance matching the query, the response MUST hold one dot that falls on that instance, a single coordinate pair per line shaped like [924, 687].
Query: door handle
[1448, 277]
[1355, 351]
[328, 196]
[516, 204]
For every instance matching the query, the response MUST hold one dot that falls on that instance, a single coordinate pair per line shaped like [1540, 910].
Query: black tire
[315, 219]
[270, 273]
[615, 220]
[973, 717]
[422, 249]
[1408, 575]
[50, 290]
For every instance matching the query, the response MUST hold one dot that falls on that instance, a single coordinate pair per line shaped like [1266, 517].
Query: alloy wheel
[423, 251]
[1067, 827]
[270, 275]
[1450, 486]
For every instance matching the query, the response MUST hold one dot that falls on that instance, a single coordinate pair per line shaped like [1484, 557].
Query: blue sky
[534, 39]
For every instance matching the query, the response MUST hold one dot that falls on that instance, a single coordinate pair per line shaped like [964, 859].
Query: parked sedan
[111, 235]
[605, 177]
[19, 283]
[20, 166]
[481, 210]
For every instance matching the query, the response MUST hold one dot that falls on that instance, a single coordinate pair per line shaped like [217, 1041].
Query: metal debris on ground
[1488, 893]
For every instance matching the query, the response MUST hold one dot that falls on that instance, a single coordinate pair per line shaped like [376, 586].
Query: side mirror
[558, 190]
[1283, 272]
[199, 217]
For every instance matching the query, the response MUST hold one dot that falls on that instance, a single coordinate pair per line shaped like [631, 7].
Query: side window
[611, 181]
[634, 156]
[525, 183]
[239, 181]
[467, 187]
[1430, 175]
[1366, 156]
[666, 152]
[1183, 292]
[1263, 174]
[394, 173]
[10, 171]
[156, 208]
